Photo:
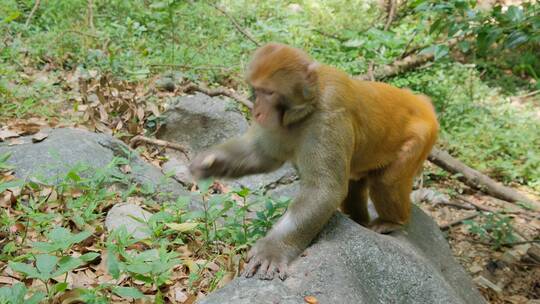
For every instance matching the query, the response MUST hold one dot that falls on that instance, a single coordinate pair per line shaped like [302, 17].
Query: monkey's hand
[208, 164]
[269, 258]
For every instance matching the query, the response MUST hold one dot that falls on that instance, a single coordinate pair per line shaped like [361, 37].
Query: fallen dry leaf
[15, 141]
[311, 300]
[39, 137]
[5, 134]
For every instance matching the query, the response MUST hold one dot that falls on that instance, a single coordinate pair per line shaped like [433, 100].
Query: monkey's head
[283, 81]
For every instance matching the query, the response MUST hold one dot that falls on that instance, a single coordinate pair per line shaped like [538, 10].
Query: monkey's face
[268, 108]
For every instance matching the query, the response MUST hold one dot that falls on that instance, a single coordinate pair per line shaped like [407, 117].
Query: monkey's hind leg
[355, 204]
[390, 188]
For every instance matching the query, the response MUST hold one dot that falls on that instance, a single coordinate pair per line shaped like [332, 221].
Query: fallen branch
[475, 179]
[32, 12]
[329, 35]
[191, 87]
[90, 15]
[399, 66]
[158, 142]
[391, 11]
[238, 27]
[459, 221]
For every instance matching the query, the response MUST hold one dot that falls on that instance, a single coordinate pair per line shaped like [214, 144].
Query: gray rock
[200, 121]
[130, 216]
[348, 263]
[258, 181]
[64, 149]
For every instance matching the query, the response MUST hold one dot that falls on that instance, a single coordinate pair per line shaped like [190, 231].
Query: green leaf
[79, 237]
[140, 268]
[11, 184]
[514, 14]
[46, 263]
[44, 247]
[127, 292]
[205, 184]
[36, 298]
[353, 43]
[515, 39]
[60, 287]
[87, 257]
[113, 264]
[13, 294]
[59, 234]
[73, 176]
[67, 264]
[25, 269]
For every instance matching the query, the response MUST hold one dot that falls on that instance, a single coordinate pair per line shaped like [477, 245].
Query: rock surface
[348, 263]
[130, 216]
[199, 122]
[351, 264]
[65, 148]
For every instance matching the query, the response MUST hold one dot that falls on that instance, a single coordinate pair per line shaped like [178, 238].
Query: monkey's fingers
[283, 270]
[251, 268]
[263, 270]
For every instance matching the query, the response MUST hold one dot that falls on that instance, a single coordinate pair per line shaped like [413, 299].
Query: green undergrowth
[51, 233]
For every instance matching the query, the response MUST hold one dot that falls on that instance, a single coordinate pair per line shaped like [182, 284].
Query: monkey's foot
[384, 227]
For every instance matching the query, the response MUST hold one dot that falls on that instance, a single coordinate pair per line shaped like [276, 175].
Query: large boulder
[66, 148]
[199, 122]
[349, 264]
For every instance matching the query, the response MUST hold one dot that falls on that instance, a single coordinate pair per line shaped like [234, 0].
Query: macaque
[346, 138]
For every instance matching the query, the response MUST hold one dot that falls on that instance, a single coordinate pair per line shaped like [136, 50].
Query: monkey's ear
[297, 113]
[310, 86]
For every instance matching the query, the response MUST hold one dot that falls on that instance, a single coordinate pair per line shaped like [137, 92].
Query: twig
[235, 23]
[158, 142]
[475, 179]
[333, 36]
[91, 14]
[32, 12]
[192, 67]
[402, 65]
[459, 221]
[391, 13]
[530, 94]
[457, 205]
[486, 209]
[221, 91]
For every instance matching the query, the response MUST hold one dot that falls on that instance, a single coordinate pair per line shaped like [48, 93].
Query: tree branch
[236, 25]
[221, 91]
[32, 12]
[158, 142]
[475, 179]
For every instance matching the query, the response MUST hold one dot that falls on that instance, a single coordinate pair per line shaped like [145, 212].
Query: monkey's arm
[323, 169]
[237, 157]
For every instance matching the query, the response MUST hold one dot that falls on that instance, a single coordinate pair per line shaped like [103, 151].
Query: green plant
[45, 266]
[495, 229]
[510, 33]
[153, 266]
[17, 294]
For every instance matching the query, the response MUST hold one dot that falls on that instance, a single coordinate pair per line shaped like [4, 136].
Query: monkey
[347, 139]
